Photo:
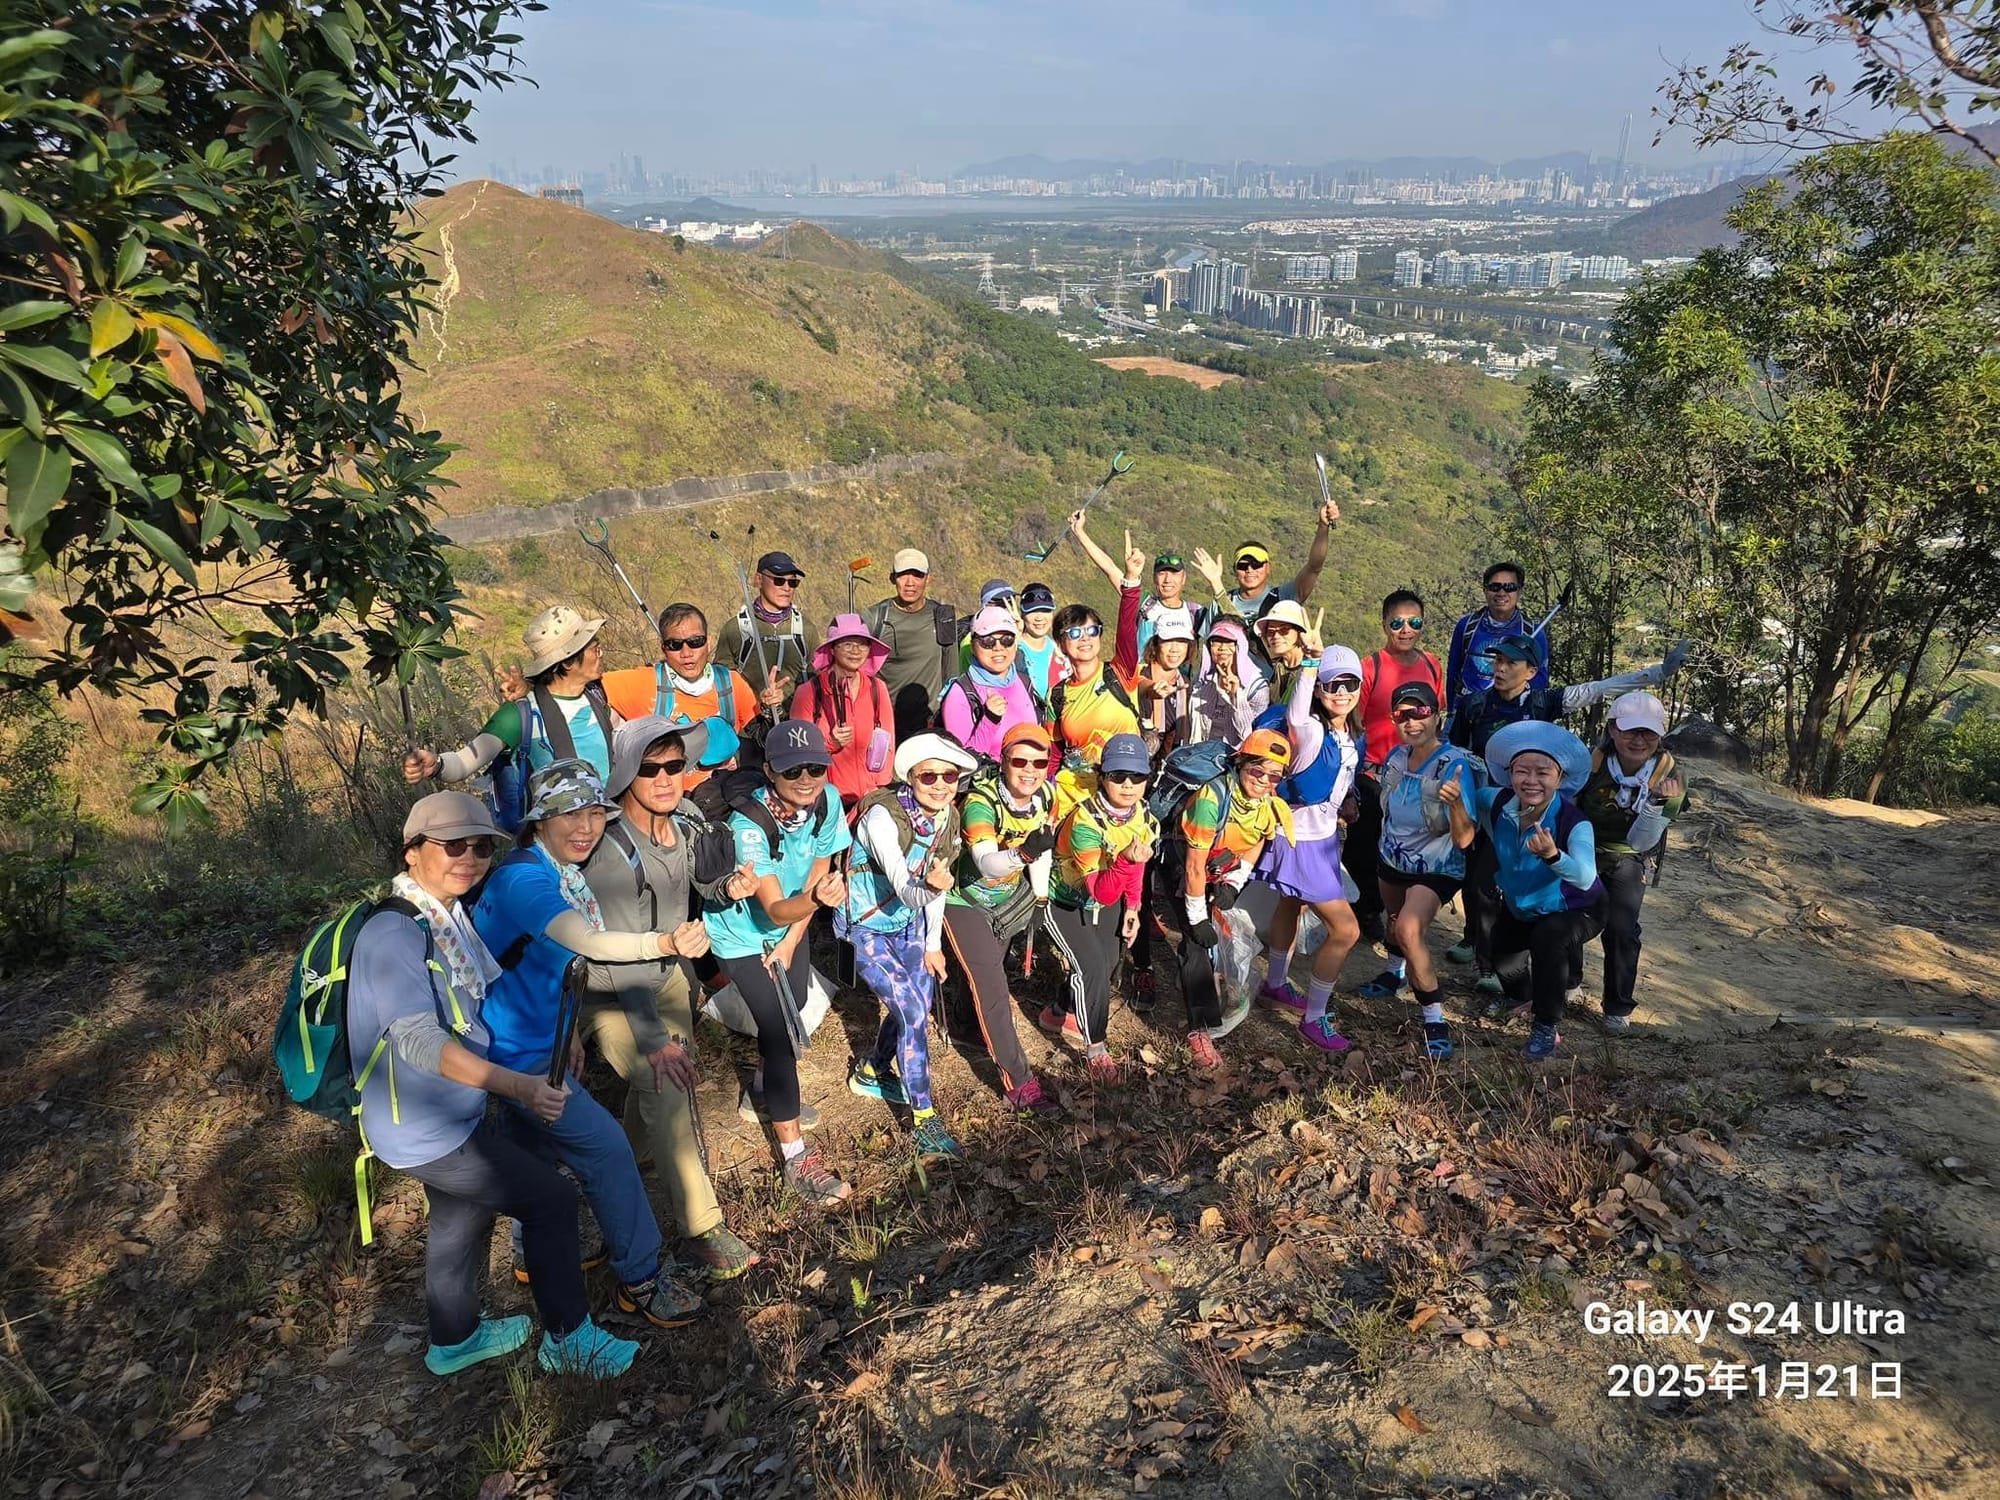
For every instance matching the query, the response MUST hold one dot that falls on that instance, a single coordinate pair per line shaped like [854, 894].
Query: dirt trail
[1185, 1287]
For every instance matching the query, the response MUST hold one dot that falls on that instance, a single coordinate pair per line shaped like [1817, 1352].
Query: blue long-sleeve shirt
[1530, 887]
[1466, 669]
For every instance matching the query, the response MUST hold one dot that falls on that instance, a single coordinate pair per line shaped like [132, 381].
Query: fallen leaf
[1408, 1417]
[862, 1384]
[1530, 1414]
[1476, 1338]
[1211, 1221]
[1085, 1253]
[1424, 1315]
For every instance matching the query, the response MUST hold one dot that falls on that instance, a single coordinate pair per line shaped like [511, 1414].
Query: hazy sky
[869, 86]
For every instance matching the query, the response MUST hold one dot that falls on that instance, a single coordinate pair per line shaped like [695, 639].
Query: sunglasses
[1083, 632]
[1341, 685]
[907, 573]
[1246, 565]
[1262, 771]
[1022, 763]
[1407, 622]
[786, 580]
[988, 642]
[661, 768]
[683, 642]
[797, 773]
[482, 847]
[1503, 588]
[1412, 713]
[949, 777]
[1125, 778]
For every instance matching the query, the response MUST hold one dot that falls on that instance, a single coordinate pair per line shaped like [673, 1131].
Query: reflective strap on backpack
[361, 1199]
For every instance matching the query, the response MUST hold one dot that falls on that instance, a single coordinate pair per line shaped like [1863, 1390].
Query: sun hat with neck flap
[850, 628]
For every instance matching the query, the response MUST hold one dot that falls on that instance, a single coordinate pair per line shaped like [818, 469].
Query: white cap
[1640, 710]
[909, 560]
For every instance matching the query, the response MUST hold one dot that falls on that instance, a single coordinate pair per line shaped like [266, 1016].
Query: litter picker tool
[1556, 608]
[1325, 485]
[1120, 464]
[795, 1026]
[750, 624]
[855, 570]
[597, 537]
[568, 1004]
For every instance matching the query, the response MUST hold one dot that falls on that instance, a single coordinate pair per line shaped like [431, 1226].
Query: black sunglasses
[786, 580]
[661, 768]
[1244, 564]
[988, 642]
[482, 847]
[683, 642]
[1503, 588]
[794, 773]
[1124, 778]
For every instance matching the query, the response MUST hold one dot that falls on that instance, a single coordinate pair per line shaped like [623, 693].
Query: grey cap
[631, 741]
[448, 815]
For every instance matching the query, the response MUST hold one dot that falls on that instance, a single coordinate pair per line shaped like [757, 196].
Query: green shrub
[41, 828]
[1946, 765]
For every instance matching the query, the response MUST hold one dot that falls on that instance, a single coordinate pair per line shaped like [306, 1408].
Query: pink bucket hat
[850, 628]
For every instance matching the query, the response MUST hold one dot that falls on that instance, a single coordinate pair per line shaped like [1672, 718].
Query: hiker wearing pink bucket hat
[844, 695]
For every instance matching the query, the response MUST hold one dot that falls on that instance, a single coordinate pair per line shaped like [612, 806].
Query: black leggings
[1089, 945]
[976, 950]
[1540, 959]
[1481, 895]
[1624, 877]
[486, 1176]
[1198, 984]
[1360, 844]
[774, 1039]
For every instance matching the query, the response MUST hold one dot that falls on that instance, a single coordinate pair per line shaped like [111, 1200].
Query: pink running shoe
[1062, 1022]
[1032, 1098]
[1322, 1035]
[1201, 1051]
[1284, 994]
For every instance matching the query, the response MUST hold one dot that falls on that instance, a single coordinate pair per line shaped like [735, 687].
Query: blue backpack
[1185, 771]
[542, 722]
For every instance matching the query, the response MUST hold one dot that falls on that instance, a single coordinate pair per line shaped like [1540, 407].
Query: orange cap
[1028, 731]
[1267, 744]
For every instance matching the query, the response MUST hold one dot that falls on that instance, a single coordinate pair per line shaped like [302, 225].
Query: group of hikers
[944, 792]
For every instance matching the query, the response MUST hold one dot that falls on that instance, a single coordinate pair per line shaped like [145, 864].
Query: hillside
[1680, 226]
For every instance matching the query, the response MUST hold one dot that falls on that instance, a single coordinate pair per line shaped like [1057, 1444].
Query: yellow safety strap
[361, 1199]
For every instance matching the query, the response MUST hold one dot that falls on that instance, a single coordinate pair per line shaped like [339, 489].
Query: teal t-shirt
[584, 730]
[742, 929]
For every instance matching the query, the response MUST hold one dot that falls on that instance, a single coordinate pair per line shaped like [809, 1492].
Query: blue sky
[868, 86]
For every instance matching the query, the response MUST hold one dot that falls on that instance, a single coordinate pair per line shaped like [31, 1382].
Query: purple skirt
[1308, 872]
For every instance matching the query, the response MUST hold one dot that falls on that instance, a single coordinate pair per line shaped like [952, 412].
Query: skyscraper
[1409, 268]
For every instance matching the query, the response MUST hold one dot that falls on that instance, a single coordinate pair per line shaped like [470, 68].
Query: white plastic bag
[726, 1006]
[1236, 957]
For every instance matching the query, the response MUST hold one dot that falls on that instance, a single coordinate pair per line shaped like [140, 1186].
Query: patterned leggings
[892, 965]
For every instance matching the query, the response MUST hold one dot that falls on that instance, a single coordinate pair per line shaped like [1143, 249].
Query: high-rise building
[1449, 268]
[1346, 265]
[1300, 268]
[1409, 268]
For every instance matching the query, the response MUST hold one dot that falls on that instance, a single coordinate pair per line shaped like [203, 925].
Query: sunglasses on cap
[1125, 778]
[796, 773]
[949, 776]
[683, 642]
[660, 768]
[1406, 622]
[1503, 588]
[481, 846]
[1083, 632]
[1026, 763]
[988, 642]
[1412, 712]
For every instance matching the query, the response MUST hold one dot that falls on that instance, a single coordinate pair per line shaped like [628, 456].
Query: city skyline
[889, 86]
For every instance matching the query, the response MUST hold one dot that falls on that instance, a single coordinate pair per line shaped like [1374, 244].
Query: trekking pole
[568, 1004]
[1120, 464]
[597, 537]
[750, 624]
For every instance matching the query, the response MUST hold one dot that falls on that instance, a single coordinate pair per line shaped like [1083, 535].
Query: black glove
[1203, 934]
[1222, 897]
[1036, 844]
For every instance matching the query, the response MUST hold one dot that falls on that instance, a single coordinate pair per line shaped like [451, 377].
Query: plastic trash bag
[726, 1006]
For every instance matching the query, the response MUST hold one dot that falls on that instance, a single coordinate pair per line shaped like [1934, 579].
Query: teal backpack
[311, 1044]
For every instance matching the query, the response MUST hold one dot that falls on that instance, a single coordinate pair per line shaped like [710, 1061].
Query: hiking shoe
[1384, 986]
[1231, 1019]
[1503, 1008]
[721, 1255]
[1145, 991]
[1284, 994]
[876, 1081]
[1061, 1022]
[1437, 1040]
[1461, 953]
[587, 1350]
[1201, 1051]
[491, 1339]
[1489, 984]
[1617, 1025]
[1541, 1045]
[1321, 1034]
[1032, 1098]
[933, 1141]
[750, 1109]
[1104, 1069]
[663, 1302]
[811, 1178]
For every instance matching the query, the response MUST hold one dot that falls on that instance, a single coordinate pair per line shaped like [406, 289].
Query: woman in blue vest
[1552, 900]
[906, 841]
[1305, 869]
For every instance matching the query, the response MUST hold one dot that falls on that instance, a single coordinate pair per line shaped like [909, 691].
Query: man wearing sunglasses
[772, 626]
[687, 686]
[1402, 659]
[1254, 594]
[641, 873]
[1468, 664]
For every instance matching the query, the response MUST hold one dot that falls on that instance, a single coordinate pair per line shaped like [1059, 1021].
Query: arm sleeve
[1578, 863]
[1038, 875]
[569, 928]
[419, 1041]
[885, 851]
[1307, 733]
[389, 991]
[993, 862]
[1586, 693]
[469, 759]
[1649, 826]
[1125, 656]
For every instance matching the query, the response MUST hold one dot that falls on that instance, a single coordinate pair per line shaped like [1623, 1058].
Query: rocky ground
[1304, 1276]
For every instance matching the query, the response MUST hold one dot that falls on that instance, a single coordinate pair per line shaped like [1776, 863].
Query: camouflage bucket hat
[564, 786]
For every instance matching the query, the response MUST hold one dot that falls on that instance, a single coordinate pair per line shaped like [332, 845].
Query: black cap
[1519, 648]
[779, 565]
[1037, 596]
[1418, 692]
